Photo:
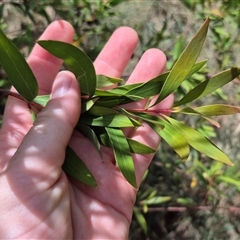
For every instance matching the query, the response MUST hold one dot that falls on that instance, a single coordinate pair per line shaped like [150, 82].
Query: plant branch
[184, 209]
[18, 96]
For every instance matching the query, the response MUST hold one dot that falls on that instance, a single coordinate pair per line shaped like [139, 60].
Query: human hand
[37, 199]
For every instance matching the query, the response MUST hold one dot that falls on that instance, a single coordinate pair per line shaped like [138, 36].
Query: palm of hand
[38, 200]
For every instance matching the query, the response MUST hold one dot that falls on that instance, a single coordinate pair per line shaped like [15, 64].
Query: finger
[41, 153]
[44, 65]
[117, 52]
[151, 64]
[17, 119]
[146, 135]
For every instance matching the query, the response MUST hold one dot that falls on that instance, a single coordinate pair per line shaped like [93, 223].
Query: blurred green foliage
[196, 199]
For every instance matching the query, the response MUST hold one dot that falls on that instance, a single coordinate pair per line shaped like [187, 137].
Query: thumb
[42, 151]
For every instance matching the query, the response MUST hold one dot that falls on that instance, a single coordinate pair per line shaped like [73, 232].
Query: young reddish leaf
[19, 73]
[77, 61]
[200, 142]
[122, 154]
[209, 85]
[184, 64]
[76, 168]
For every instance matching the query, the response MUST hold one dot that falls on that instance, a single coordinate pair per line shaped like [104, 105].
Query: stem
[160, 111]
[18, 96]
[184, 209]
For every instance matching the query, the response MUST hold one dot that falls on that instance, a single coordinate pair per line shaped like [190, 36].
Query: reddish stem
[160, 111]
[18, 96]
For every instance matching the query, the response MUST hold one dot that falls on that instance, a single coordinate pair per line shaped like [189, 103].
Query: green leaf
[135, 146]
[113, 120]
[210, 85]
[197, 66]
[138, 91]
[140, 219]
[76, 168]
[77, 61]
[185, 201]
[109, 102]
[168, 132]
[173, 138]
[200, 142]
[218, 109]
[105, 81]
[42, 100]
[156, 200]
[184, 64]
[106, 93]
[100, 111]
[88, 104]
[193, 111]
[229, 180]
[90, 134]
[139, 148]
[122, 154]
[18, 71]
[149, 88]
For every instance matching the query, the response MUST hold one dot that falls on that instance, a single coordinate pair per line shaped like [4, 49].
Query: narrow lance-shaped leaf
[90, 134]
[105, 81]
[140, 219]
[106, 102]
[76, 168]
[209, 86]
[200, 142]
[133, 92]
[135, 146]
[218, 109]
[113, 120]
[139, 148]
[87, 105]
[156, 200]
[197, 66]
[100, 111]
[122, 154]
[184, 64]
[169, 133]
[42, 100]
[193, 111]
[77, 61]
[18, 71]
[149, 88]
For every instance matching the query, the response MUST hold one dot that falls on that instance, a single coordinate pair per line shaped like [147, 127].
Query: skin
[37, 199]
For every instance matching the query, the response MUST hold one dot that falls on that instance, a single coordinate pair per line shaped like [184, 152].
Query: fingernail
[61, 89]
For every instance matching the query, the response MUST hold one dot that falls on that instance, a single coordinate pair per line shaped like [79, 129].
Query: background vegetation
[196, 199]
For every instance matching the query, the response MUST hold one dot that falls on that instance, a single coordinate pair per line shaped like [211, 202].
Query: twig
[184, 209]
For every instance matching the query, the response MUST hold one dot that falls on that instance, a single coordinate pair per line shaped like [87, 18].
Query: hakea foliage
[103, 118]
